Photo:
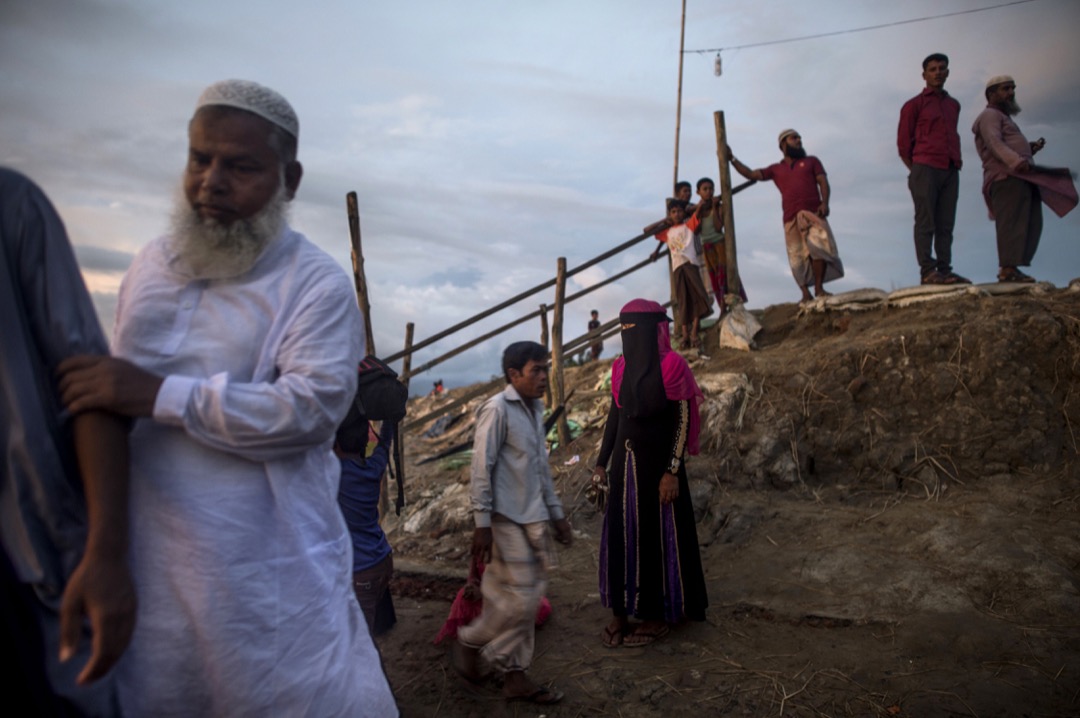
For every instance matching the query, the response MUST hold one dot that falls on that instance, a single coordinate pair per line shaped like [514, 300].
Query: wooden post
[358, 269]
[556, 378]
[406, 362]
[547, 345]
[734, 283]
[678, 103]
[678, 127]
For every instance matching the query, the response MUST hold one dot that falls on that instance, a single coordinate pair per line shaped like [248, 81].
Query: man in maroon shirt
[929, 146]
[804, 192]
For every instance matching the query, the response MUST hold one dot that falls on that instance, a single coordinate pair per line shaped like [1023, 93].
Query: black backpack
[379, 397]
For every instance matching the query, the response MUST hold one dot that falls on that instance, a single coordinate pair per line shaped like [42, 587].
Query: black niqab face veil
[642, 391]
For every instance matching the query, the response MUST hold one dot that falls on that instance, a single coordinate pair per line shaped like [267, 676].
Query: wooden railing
[559, 349]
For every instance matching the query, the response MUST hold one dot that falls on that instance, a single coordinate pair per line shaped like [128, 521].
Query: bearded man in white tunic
[236, 343]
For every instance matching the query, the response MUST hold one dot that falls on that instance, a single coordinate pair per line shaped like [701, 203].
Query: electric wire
[859, 29]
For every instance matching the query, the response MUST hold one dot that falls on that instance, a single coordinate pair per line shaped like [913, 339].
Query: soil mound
[888, 503]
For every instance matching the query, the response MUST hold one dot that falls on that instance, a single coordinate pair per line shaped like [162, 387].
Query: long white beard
[206, 249]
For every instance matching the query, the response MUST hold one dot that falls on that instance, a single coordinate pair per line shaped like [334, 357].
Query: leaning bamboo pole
[358, 270]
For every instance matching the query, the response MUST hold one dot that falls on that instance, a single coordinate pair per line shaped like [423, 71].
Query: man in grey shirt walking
[513, 499]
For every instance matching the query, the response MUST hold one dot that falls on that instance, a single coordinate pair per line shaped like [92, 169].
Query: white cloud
[484, 144]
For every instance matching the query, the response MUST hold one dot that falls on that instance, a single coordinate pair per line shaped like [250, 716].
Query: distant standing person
[690, 294]
[594, 328]
[358, 497]
[513, 502]
[650, 562]
[929, 147]
[714, 250]
[804, 189]
[1013, 185]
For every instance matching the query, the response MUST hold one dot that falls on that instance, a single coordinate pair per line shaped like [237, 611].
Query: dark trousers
[372, 588]
[934, 192]
[1017, 209]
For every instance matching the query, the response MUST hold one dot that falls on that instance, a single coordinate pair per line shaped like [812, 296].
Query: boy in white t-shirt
[690, 294]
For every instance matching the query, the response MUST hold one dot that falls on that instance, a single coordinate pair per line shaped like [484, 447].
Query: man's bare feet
[518, 687]
[466, 661]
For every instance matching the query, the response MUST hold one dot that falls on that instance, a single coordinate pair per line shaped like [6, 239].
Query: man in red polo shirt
[930, 148]
[804, 191]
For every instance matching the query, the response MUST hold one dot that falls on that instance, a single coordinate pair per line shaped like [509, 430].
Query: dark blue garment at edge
[45, 316]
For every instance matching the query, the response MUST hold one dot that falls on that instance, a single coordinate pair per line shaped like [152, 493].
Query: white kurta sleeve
[301, 407]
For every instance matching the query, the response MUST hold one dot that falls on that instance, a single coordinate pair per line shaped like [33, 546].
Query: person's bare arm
[823, 187]
[742, 169]
[89, 382]
[101, 588]
[657, 226]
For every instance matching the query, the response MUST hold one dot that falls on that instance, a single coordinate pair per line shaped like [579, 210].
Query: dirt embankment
[889, 510]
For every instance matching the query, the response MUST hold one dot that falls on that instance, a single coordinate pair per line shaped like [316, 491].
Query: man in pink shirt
[804, 193]
[1014, 187]
[929, 147]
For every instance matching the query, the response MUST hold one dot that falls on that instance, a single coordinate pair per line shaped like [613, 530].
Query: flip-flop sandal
[613, 637]
[644, 636]
[541, 697]
[1014, 275]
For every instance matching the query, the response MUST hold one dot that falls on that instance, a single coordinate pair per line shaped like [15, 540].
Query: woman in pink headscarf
[650, 564]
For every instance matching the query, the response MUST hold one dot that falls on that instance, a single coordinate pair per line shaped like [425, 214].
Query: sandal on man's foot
[646, 633]
[1012, 274]
[954, 278]
[934, 277]
[541, 696]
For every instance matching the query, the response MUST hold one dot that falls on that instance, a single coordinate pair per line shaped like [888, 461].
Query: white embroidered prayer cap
[254, 98]
[784, 135]
[998, 80]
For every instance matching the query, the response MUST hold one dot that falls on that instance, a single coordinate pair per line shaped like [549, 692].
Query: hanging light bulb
[717, 68]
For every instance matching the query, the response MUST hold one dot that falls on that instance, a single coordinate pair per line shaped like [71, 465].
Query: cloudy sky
[487, 139]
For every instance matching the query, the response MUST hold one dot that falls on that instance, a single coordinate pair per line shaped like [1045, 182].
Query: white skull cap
[998, 80]
[784, 135]
[254, 98]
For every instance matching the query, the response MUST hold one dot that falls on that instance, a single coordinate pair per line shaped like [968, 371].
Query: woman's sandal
[645, 634]
[614, 634]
